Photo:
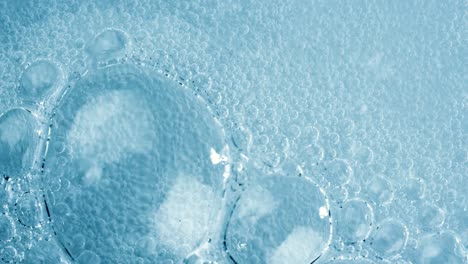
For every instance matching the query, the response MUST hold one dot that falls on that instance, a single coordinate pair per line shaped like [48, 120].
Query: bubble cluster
[109, 154]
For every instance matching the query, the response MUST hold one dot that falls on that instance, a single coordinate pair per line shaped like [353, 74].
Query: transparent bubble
[379, 190]
[338, 172]
[430, 216]
[414, 188]
[38, 79]
[128, 128]
[354, 221]
[264, 225]
[389, 238]
[440, 248]
[29, 210]
[108, 44]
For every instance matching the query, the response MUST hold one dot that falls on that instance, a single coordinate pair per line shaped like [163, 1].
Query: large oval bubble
[131, 168]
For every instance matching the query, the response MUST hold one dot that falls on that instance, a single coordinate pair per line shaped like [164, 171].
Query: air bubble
[378, 190]
[9, 254]
[431, 216]
[354, 221]
[389, 238]
[38, 79]
[338, 172]
[264, 225]
[414, 189]
[107, 45]
[29, 210]
[439, 248]
[130, 129]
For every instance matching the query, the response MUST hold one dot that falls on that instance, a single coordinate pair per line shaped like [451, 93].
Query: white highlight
[302, 245]
[257, 204]
[110, 126]
[323, 212]
[184, 218]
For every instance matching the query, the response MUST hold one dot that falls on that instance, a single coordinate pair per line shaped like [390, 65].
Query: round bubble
[414, 189]
[9, 254]
[108, 44]
[143, 158]
[389, 238]
[430, 216]
[379, 190]
[354, 220]
[439, 248]
[18, 140]
[338, 172]
[29, 210]
[38, 79]
[265, 227]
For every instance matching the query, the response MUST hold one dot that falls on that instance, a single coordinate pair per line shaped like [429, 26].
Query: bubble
[264, 226]
[338, 172]
[9, 254]
[88, 257]
[108, 44]
[363, 155]
[17, 142]
[389, 238]
[311, 155]
[431, 216]
[379, 190]
[414, 189]
[354, 221]
[7, 230]
[130, 129]
[38, 79]
[29, 210]
[439, 248]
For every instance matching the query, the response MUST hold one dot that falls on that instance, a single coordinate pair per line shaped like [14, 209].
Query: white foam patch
[256, 204]
[184, 218]
[111, 125]
[301, 245]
